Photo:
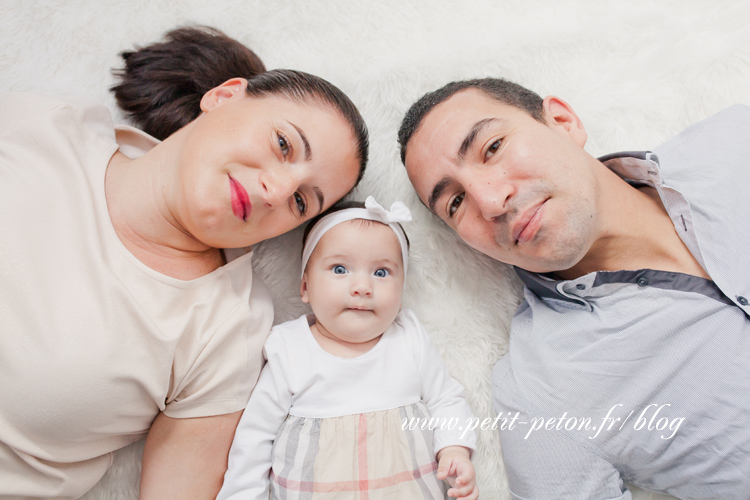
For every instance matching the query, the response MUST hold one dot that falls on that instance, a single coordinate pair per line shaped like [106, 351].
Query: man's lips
[240, 200]
[528, 223]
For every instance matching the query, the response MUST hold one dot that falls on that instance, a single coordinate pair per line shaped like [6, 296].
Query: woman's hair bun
[162, 84]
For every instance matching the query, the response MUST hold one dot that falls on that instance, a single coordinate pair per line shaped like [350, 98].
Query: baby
[339, 408]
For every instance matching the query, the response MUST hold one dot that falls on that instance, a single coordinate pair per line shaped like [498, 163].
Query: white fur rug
[636, 72]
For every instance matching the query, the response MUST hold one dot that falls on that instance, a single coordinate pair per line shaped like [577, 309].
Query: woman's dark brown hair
[162, 84]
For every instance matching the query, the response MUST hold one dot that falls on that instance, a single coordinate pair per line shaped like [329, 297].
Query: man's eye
[339, 269]
[300, 202]
[455, 203]
[492, 149]
[382, 272]
[283, 144]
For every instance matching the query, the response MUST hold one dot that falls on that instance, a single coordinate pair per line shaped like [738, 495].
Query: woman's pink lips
[240, 200]
[528, 230]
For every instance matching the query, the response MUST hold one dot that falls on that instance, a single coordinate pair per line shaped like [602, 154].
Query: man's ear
[233, 88]
[303, 289]
[560, 115]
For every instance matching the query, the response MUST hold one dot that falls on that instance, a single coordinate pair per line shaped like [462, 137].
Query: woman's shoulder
[28, 105]
[22, 111]
[18, 109]
[23, 103]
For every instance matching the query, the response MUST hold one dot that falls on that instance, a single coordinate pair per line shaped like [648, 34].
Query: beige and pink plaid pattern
[364, 456]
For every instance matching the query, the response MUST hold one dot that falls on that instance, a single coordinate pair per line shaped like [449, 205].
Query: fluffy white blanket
[636, 72]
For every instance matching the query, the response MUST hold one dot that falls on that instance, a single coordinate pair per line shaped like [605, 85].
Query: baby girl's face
[354, 279]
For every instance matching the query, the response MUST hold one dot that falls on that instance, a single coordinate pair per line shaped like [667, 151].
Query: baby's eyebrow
[392, 263]
[336, 256]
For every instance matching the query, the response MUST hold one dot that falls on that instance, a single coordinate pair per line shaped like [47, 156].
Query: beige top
[93, 343]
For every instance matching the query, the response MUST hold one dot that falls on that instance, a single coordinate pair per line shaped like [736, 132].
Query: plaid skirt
[365, 456]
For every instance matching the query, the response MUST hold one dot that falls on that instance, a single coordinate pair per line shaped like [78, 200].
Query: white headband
[372, 211]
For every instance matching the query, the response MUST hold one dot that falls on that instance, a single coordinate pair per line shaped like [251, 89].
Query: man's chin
[548, 263]
[559, 264]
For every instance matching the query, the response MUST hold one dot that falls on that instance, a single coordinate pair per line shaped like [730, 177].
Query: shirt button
[742, 300]
[581, 286]
[642, 281]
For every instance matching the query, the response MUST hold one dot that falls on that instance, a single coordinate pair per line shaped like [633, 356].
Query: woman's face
[253, 168]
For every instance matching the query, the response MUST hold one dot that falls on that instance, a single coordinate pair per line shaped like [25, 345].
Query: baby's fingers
[465, 483]
[442, 472]
[473, 495]
[465, 473]
[461, 489]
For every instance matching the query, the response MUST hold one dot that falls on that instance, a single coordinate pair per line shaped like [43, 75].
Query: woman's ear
[232, 88]
[303, 289]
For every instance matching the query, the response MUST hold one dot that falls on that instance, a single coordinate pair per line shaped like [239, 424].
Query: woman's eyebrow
[308, 150]
[321, 199]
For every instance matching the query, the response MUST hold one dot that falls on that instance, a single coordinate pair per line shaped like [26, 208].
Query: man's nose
[491, 199]
[277, 187]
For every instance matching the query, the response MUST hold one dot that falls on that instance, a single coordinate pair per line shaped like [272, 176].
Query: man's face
[520, 191]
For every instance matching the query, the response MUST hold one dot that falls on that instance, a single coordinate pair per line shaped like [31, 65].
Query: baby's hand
[455, 467]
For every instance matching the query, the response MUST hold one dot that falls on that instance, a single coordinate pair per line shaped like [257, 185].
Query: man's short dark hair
[496, 88]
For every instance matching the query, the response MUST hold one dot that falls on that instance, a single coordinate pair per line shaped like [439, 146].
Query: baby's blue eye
[339, 269]
[381, 273]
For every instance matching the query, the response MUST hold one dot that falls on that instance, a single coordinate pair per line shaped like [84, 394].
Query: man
[630, 356]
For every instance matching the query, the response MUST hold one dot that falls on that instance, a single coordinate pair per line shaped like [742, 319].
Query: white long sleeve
[442, 394]
[248, 473]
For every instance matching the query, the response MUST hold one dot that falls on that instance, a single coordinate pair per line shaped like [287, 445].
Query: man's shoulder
[723, 125]
[721, 140]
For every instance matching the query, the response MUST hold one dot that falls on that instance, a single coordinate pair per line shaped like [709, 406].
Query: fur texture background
[636, 72]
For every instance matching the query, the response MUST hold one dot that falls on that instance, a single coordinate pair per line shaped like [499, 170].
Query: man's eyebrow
[308, 151]
[472, 135]
[437, 192]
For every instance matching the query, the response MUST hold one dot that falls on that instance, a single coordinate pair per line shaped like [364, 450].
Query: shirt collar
[635, 167]
[133, 142]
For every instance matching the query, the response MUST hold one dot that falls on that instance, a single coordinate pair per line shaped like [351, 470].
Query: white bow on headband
[372, 211]
[398, 212]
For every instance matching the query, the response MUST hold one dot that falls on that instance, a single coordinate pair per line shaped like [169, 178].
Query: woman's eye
[283, 144]
[381, 273]
[300, 202]
[454, 204]
[339, 269]
[492, 149]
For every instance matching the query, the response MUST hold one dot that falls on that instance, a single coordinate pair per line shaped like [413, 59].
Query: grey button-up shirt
[643, 376]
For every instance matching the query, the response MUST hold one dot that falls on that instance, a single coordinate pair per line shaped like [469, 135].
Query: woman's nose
[277, 187]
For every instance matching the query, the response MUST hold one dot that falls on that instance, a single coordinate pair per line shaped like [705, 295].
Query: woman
[120, 314]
